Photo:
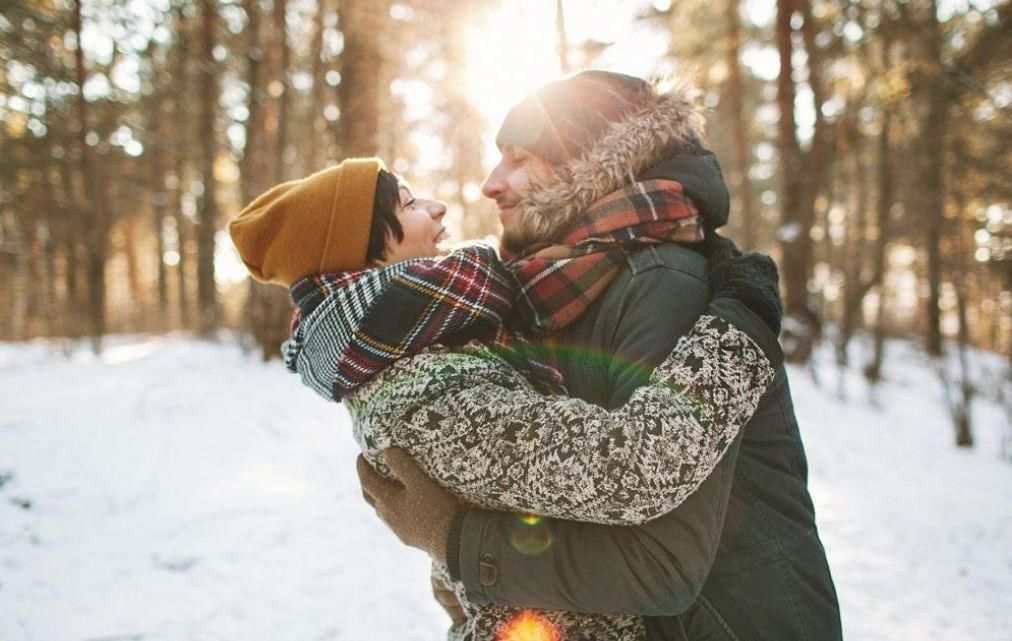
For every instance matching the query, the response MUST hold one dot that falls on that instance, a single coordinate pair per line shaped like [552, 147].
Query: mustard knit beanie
[314, 225]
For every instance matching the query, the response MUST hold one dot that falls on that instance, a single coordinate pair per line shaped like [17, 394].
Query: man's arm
[656, 568]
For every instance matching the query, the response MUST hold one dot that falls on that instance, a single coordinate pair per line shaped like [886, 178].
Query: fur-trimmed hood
[662, 138]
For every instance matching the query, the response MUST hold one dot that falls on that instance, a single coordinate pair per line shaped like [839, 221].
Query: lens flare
[574, 355]
[528, 626]
[530, 536]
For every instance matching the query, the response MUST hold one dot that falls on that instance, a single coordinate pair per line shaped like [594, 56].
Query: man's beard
[516, 239]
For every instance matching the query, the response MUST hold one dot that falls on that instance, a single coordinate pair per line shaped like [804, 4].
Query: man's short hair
[564, 118]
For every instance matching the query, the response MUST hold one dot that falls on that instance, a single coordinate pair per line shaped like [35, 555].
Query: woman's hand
[449, 601]
[415, 507]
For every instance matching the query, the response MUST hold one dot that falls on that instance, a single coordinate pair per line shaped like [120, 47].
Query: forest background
[866, 145]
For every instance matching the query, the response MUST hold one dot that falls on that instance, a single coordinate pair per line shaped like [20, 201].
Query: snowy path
[184, 491]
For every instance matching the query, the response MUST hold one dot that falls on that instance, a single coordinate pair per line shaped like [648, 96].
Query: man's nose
[494, 185]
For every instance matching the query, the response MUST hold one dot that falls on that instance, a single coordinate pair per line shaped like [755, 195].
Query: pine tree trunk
[362, 92]
[795, 242]
[792, 227]
[267, 306]
[159, 202]
[283, 145]
[962, 416]
[315, 156]
[741, 182]
[560, 34]
[73, 302]
[136, 289]
[803, 175]
[181, 117]
[933, 194]
[208, 213]
[817, 158]
[873, 371]
[934, 95]
[252, 169]
[20, 284]
[96, 230]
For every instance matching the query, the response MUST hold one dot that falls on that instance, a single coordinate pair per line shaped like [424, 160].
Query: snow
[173, 489]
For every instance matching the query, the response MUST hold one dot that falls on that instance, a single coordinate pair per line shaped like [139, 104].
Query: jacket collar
[665, 124]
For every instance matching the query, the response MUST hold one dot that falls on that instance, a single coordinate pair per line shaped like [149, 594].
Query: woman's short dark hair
[384, 216]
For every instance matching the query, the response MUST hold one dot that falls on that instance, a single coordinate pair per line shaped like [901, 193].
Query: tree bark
[267, 306]
[73, 302]
[803, 175]
[793, 230]
[159, 207]
[96, 234]
[962, 416]
[361, 93]
[563, 42]
[855, 285]
[181, 162]
[281, 169]
[208, 213]
[795, 220]
[128, 225]
[742, 147]
[932, 189]
[315, 156]
[252, 169]
[883, 209]
[159, 200]
[933, 96]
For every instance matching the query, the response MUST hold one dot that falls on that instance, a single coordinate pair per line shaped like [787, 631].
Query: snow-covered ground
[179, 490]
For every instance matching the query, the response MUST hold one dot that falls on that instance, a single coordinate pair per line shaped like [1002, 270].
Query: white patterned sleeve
[507, 447]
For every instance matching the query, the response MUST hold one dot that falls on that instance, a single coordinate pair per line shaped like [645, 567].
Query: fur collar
[664, 122]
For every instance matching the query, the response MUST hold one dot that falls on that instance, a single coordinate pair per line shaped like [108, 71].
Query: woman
[426, 354]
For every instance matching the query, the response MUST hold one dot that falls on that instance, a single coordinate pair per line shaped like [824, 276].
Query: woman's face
[421, 221]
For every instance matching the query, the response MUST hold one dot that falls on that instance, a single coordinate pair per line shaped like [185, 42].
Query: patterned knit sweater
[478, 426]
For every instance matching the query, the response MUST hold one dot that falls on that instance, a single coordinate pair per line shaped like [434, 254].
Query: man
[741, 558]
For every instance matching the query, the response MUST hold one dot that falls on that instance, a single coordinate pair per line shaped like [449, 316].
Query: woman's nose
[436, 208]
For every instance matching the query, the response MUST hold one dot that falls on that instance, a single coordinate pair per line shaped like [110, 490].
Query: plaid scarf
[559, 281]
[366, 319]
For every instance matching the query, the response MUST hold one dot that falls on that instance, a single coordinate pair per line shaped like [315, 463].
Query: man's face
[517, 172]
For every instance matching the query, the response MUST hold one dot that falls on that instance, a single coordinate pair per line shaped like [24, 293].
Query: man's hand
[749, 278]
[449, 601]
[416, 508]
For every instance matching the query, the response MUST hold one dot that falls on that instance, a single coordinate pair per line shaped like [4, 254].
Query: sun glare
[512, 49]
[510, 53]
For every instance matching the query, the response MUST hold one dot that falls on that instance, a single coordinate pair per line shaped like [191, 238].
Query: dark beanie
[564, 118]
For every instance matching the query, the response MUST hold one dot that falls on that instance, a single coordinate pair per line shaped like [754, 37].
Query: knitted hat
[314, 225]
[564, 118]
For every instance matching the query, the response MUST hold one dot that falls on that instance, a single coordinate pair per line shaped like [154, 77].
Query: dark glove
[416, 508]
[750, 279]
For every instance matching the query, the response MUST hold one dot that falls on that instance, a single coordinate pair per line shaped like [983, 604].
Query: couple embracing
[591, 433]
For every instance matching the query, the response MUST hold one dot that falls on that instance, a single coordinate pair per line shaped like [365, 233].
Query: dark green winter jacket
[740, 559]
